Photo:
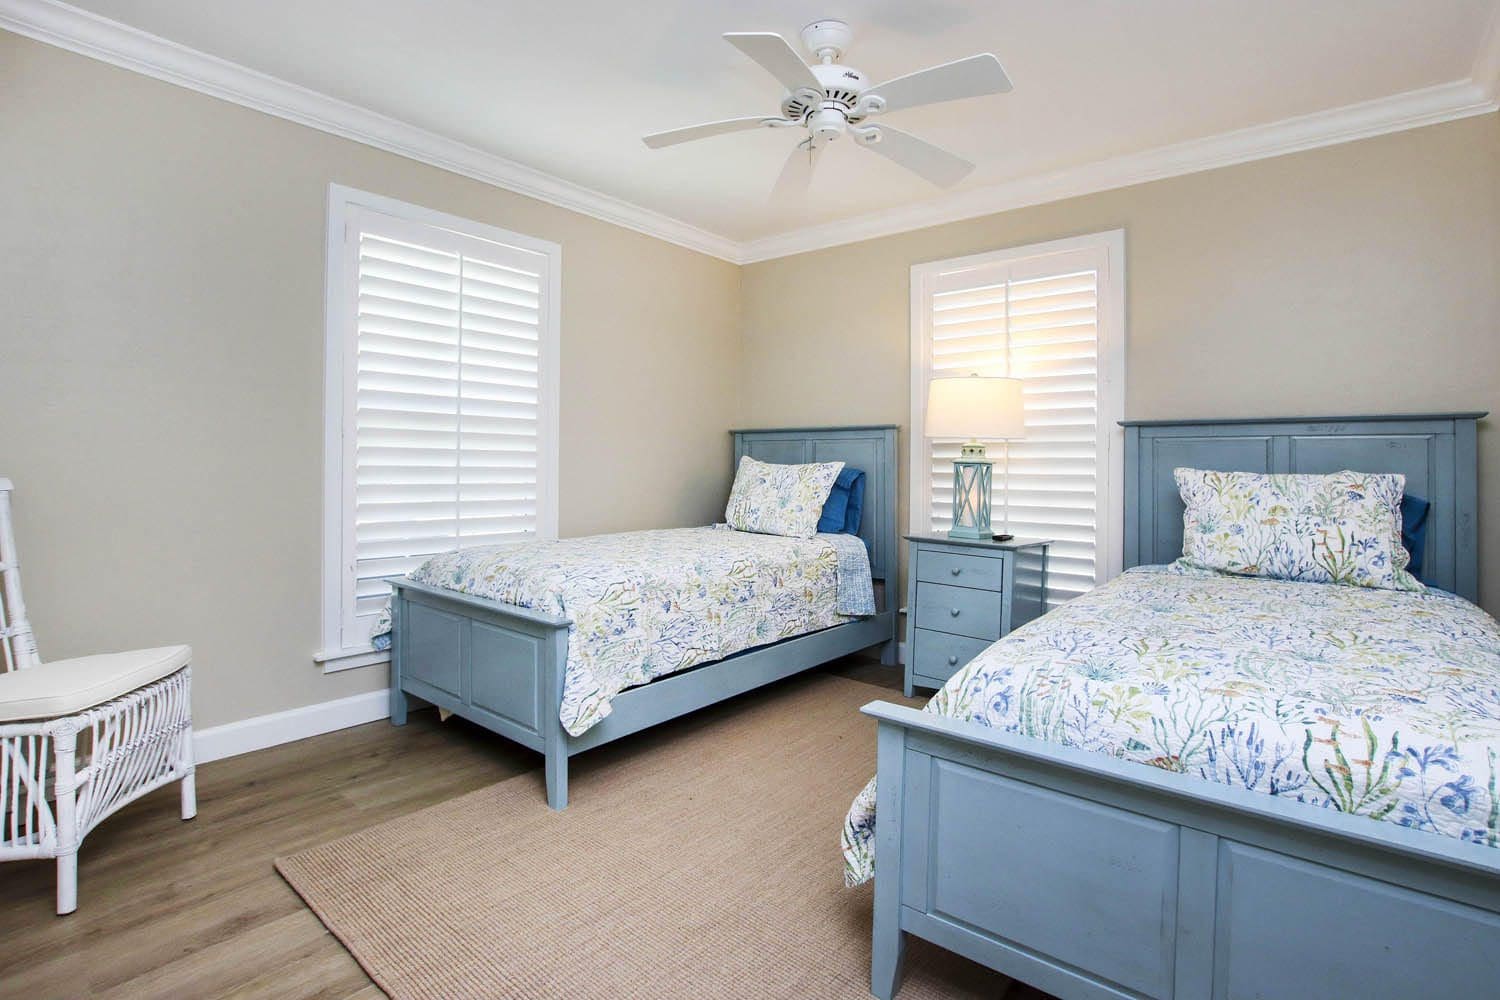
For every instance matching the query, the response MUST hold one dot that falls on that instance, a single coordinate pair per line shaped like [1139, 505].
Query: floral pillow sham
[780, 499]
[1342, 528]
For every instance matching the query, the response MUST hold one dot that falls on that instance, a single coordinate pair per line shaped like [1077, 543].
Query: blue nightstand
[962, 595]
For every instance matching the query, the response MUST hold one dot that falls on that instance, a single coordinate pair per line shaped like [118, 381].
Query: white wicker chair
[80, 738]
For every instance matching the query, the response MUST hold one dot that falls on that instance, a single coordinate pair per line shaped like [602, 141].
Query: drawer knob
[954, 612]
[953, 661]
[956, 570]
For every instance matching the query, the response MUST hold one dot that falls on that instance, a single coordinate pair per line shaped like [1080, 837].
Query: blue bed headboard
[871, 448]
[1436, 452]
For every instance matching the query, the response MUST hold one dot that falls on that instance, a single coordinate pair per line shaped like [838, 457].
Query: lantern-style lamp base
[971, 493]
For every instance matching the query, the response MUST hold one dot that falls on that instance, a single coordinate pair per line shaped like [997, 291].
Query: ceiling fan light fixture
[826, 125]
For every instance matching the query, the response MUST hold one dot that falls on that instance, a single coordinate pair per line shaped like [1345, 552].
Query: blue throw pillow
[846, 502]
[856, 510]
[1414, 531]
[835, 508]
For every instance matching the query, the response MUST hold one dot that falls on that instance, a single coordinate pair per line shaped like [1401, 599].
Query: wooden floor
[195, 909]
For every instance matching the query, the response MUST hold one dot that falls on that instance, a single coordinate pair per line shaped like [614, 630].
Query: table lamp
[979, 409]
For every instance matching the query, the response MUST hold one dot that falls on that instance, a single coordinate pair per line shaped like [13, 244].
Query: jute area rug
[697, 861]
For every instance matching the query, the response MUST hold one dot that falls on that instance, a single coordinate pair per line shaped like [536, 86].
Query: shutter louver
[1043, 330]
[447, 392]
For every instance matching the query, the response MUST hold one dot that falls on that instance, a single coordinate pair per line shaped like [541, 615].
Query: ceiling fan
[830, 99]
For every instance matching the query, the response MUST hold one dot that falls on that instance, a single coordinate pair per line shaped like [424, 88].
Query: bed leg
[557, 777]
[398, 622]
[886, 962]
[553, 667]
[887, 940]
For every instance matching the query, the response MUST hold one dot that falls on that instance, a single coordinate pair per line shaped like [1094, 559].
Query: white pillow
[780, 499]
[1340, 528]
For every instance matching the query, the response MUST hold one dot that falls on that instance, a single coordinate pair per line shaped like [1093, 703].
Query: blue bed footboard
[1090, 877]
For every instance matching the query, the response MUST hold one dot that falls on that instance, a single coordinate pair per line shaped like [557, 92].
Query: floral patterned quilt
[646, 604]
[1381, 703]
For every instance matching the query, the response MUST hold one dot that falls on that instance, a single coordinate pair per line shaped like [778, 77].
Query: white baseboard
[235, 738]
[262, 731]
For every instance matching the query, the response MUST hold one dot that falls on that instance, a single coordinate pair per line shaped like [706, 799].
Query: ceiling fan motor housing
[841, 85]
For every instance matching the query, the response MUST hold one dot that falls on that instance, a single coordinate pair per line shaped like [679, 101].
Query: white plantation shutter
[447, 412]
[1037, 319]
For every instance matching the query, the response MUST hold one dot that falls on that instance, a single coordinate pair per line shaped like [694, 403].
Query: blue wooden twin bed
[1091, 876]
[504, 666]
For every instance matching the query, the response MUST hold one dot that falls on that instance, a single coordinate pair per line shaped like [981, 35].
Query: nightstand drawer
[959, 610]
[939, 655]
[960, 570]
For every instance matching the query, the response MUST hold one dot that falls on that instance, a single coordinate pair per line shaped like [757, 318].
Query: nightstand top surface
[981, 543]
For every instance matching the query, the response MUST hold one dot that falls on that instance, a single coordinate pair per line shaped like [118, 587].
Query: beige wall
[161, 336]
[1361, 278]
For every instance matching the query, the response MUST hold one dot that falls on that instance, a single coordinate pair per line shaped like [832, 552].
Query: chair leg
[189, 796]
[65, 744]
[67, 882]
[189, 780]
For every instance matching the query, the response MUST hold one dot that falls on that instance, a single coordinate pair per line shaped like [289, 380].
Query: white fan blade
[921, 157]
[796, 175]
[777, 58]
[657, 140]
[971, 77]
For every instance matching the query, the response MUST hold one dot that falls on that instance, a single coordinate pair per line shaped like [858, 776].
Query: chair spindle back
[15, 631]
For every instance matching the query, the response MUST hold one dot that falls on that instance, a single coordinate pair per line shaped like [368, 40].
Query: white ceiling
[568, 88]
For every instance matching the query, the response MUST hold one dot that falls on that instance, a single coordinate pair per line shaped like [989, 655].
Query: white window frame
[340, 652]
[1107, 250]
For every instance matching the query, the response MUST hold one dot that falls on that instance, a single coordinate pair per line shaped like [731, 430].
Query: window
[441, 400]
[1051, 314]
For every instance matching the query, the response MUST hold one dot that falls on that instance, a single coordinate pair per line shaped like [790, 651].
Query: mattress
[646, 604]
[1380, 703]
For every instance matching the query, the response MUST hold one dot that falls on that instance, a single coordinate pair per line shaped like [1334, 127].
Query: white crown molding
[1325, 128]
[119, 44]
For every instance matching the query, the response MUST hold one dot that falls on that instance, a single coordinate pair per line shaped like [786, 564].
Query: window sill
[334, 660]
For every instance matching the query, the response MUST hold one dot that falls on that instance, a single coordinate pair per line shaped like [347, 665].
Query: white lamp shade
[972, 406]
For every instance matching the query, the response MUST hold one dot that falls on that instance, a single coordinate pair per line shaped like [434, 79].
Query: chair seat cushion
[66, 687]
